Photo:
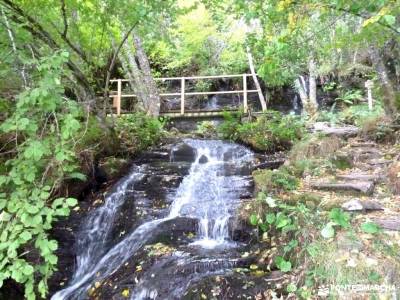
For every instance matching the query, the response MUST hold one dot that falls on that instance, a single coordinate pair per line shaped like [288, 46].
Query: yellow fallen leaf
[125, 293]
[253, 267]
[97, 284]
[139, 268]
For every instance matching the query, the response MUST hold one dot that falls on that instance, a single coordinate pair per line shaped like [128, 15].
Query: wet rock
[203, 159]
[273, 164]
[364, 187]
[358, 205]
[183, 152]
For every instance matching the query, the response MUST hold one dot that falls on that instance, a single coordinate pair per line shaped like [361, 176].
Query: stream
[215, 176]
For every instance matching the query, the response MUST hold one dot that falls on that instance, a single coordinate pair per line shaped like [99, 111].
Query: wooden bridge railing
[118, 95]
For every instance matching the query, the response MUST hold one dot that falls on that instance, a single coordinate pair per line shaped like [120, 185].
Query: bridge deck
[196, 113]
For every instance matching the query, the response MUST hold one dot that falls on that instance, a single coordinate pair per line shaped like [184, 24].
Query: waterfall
[209, 193]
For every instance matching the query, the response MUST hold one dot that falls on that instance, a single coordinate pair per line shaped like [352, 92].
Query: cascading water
[209, 193]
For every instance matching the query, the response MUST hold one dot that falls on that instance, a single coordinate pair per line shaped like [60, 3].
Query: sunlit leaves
[33, 174]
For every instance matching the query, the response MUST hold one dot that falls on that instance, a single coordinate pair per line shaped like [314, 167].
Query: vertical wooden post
[119, 93]
[369, 85]
[245, 93]
[182, 95]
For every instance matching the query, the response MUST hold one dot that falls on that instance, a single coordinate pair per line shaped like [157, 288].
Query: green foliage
[230, 126]
[269, 132]
[349, 97]
[206, 129]
[283, 265]
[272, 180]
[198, 42]
[46, 127]
[370, 227]
[338, 218]
[287, 221]
[138, 131]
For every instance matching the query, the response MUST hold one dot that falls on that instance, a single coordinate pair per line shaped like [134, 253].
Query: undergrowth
[270, 132]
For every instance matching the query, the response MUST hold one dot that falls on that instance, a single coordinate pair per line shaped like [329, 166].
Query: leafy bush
[206, 129]
[230, 126]
[138, 131]
[270, 180]
[270, 132]
[46, 127]
[358, 114]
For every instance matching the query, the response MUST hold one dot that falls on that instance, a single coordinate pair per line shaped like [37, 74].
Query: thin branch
[114, 58]
[38, 28]
[64, 15]
[360, 15]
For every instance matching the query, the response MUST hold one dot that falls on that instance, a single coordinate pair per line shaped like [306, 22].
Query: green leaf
[370, 227]
[71, 201]
[291, 288]
[25, 235]
[35, 150]
[282, 220]
[389, 19]
[253, 220]
[77, 175]
[328, 231]
[339, 217]
[270, 218]
[283, 265]
[28, 270]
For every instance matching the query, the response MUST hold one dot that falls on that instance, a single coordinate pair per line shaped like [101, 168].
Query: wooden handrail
[117, 95]
[191, 77]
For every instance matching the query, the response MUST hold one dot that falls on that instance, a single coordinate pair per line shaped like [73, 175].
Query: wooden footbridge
[119, 95]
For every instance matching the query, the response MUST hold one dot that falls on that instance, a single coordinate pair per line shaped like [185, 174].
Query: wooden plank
[257, 84]
[191, 93]
[191, 77]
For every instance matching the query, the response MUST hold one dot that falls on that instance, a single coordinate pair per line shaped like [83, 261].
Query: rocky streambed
[167, 229]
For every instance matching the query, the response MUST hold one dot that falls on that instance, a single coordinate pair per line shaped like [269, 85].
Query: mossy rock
[273, 180]
[113, 165]
[311, 200]
[315, 146]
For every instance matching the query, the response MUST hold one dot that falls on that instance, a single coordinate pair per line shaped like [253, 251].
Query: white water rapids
[209, 193]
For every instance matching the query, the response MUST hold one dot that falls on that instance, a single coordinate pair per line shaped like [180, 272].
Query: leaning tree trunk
[153, 97]
[135, 77]
[389, 93]
[136, 65]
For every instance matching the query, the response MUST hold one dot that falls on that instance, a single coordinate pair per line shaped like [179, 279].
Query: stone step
[364, 187]
[361, 205]
[389, 223]
[343, 131]
[363, 144]
[360, 177]
[379, 162]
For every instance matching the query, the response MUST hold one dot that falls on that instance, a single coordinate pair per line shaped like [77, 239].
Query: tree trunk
[135, 77]
[153, 98]
[14, 47]
[389, 93]
[302, 92]
[312, 83]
